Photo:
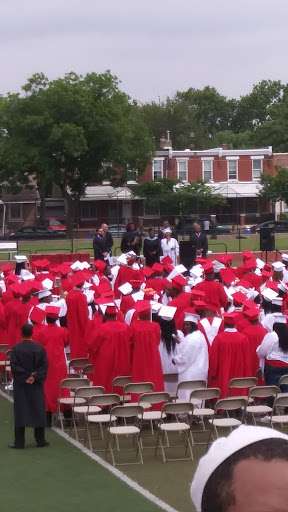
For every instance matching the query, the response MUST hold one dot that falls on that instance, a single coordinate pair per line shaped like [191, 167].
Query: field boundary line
[116, 472]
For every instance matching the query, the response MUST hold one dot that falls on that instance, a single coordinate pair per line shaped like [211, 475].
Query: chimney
[224, 146]
[166, 143]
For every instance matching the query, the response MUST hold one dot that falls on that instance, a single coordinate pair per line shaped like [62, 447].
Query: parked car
[185, 226]
[117, 230]
[36, 233]
[279, 226]
[55, 224]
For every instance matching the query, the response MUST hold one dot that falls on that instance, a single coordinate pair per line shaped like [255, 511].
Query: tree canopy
[63, 131]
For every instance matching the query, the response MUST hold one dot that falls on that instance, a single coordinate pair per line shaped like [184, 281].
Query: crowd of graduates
[211, 322]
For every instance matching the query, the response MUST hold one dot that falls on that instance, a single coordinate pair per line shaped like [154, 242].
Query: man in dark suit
[200, 239]
[107, 237]
[29, 365]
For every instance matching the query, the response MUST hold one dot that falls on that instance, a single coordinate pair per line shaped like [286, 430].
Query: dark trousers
[39, 433]
[272, 376]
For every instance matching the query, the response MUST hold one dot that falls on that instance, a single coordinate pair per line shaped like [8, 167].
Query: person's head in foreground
[244, 472]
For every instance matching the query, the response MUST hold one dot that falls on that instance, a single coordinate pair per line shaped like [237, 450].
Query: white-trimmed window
[182, 167]
[157, 168]
[232, 168]
[257, 167]
[207, 169]
[16, 211]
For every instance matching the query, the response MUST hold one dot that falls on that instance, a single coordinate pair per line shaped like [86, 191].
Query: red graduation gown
[146, 361]
[53, 339]
[10, 311]
[255, 335]
[125, 275]
[182, 303]
[3, 331]
[77, 319]
[214, 293]
[111, 350]
[229, 358]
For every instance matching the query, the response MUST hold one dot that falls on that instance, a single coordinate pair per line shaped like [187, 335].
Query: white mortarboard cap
[278, 301]
[104, 306]
[191, 317]
[180, 269]
[279, 318]
[172, 274]
[278, 266]
[117, 302]
[138, 296]
[218, 266]
[44, 293]
[258, 272]
[283, 287]
[77, 265]
[269, 294]
[167, 312]
[85, 264]
[130, 255]
[167, 230]
[86, 285]
[122, 260]
[48, 284]
[20, 258]
[114, 270]
[260, 263]
[222, 449]
[196, 271]
[136, 266]
[125, 288]
[26, 275]
[285, 257]
[155, 306]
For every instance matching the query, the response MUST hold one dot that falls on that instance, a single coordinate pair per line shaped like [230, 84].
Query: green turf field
[59, 477]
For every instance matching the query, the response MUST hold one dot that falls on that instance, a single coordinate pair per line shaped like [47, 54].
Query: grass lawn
[59, 477]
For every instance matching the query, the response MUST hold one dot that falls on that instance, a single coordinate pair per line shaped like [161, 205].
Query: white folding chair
[260, 392]
[189, 386]
[204, 413]
[227, 405]
[181, 427]
[72, 384]
[78, 410]
[134, 430]
[101, 418]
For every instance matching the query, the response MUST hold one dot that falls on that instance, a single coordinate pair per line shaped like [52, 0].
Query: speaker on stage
[267, 239]
[187, 253]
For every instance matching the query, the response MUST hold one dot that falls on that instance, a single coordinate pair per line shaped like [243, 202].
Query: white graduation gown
[192, 360]
[171, 249]
[166, 360]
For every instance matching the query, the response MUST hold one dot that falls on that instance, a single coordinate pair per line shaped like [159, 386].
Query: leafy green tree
[63, 131]
[275, 188]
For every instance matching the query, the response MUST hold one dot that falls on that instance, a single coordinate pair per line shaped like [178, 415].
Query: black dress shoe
[42, 445]
[16, 447]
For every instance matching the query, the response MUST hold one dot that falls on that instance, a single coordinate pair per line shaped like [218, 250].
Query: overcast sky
[155, 47]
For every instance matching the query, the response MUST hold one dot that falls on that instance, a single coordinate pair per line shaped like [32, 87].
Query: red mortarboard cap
[208, 267]
[225, 258]
[249, 304]
[246, 255]
[25, 289]
[168, 267]
[166, 260]
[104, 300]
[239, 298]
[100, 265]
[36, 286]
[143, 307]
[199, 305]
[197, 293]
[111, 310]
[136, 283]
[64, 269]
[251, 263]
[6, 269]
[37, 315]
[227, 276]
[244, 283]
[267, 267]
[41, 264]
[147, 271]
[103, 288]
[149, 293]
[201, 261]
[157, 268]
[12, 278]
[16, 288]
[78, 278]
[266, 273]
[273, 285]
[52, 311]
[178, 282]
[252, 314]
[109, 294]
[230, 318]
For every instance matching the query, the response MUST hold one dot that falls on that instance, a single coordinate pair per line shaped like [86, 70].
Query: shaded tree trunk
[41, 190]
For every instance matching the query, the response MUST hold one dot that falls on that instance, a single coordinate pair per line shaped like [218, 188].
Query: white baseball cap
[222, 449]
